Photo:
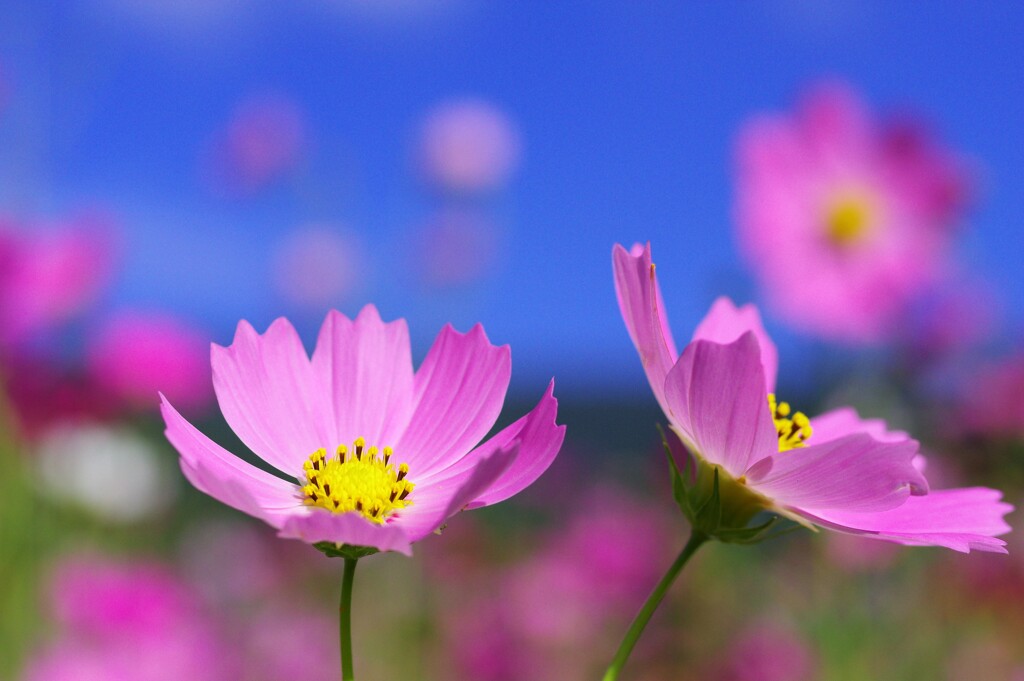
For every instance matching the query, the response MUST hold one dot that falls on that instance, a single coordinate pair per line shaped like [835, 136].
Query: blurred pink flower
[215, 544]
[548, 621]
[768, 652]
[360, 388]
[485, 648]
[468, 146]
[124, 621]
[851, 553]
[992, 403]
[264, 140]
[612, 544]
[845, 221]
[136, 353]
[456, 248]
[836, 470]
[48, 276]
[318, 266]
[985, 657]
[286, 642]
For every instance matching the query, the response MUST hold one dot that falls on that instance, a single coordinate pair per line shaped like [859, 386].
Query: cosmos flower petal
[457, 395]
[539, 438]
[717, 398]
[442, 499]
[367, 366]
[853, 473]
[320, 525]
[224, 476]
[962, 519]
[725, 322]
[838, 423]
[270, 397]
[644, 313]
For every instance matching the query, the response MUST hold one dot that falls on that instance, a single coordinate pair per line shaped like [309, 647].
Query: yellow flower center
[793, 430]
[848, 219]
[362, 480]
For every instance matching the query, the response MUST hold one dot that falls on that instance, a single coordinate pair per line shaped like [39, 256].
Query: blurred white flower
[111, 473]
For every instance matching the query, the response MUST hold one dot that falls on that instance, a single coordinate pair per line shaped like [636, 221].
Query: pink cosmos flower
[992, 402]
[263, 141]
[375, 455]
[136, 353]
[844, 221]
[468, 146]
[836, 470]
[122, 621]
[48, 277]
[768, 651]
[317, 265]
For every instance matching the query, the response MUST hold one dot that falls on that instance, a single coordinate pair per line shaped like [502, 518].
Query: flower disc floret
[793, 431]
[361, 480]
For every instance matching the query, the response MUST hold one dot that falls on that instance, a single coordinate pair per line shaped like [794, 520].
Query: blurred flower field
[169, 184]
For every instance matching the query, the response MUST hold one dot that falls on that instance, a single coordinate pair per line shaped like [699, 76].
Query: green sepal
[332, 550]
[708, 518]
[720, 507]
[680, 491]
[749, 535]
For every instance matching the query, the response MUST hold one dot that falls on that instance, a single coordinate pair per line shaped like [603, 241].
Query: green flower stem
[652, 603]
[345, 620]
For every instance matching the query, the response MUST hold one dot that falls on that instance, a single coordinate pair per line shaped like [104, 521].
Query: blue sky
[627, 113]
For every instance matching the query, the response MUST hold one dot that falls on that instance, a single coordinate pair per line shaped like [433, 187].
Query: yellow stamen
[793, 432]
[848, 219]
[362, 482]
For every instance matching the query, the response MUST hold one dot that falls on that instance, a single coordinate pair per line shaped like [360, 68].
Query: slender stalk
[345, 620]
[652, 603]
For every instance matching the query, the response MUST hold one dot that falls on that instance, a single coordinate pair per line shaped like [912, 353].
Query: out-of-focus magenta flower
[836, 470]
[317, 266]
[456, 248]
[844, 221]
[468, 146]
[993, 400]
[48, 276]
[128, 622]
[263, 141]
[135, 354]
[768, 652]
[485, 647]
[407, 456]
